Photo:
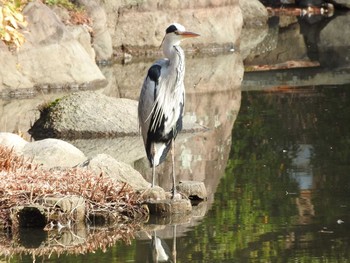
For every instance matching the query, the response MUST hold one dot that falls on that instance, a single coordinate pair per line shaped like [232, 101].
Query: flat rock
[53, 153]
[87, 115]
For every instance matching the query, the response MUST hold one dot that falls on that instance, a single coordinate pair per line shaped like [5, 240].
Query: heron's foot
[175, 195]
[154, 193]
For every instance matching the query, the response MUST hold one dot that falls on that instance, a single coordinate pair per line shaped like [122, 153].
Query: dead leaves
[11, 22]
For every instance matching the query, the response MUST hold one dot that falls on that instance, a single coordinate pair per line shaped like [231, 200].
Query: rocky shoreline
[58, 55]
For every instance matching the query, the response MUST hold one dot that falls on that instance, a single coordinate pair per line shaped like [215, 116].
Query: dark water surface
[284, 196]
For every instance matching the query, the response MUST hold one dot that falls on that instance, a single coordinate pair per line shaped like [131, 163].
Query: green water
[285, 187]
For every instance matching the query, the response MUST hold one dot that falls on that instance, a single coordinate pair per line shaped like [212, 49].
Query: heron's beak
[186, 34]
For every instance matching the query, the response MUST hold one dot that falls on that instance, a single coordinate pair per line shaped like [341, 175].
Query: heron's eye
[176, 32]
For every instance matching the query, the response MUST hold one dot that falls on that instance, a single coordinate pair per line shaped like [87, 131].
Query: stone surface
[345, 3]
[50, 56]
[193, 190]
[87, 115]
[334, 44]
[12, 140]
[53, 153]
[72, 206]
[255, 27]
[219, 22]
[169, 207]
[102, 41]
[119, 171]
[155, 193]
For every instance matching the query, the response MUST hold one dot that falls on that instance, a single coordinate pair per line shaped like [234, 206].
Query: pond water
[277, 167]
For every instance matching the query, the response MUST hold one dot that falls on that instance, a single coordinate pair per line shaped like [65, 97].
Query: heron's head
[175, 33]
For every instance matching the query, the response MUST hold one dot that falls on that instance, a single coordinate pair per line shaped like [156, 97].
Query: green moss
[47, 106]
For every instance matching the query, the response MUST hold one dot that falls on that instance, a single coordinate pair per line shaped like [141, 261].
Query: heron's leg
[174, 243]
[153, 166]
[153, 174]
[173, 160]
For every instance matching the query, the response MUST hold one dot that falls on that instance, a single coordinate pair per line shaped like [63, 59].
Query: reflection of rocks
[76, 240]
[334, 44]
[16, 115]
[203, 74]
[254, 25]
[276, 48]
[298, 77]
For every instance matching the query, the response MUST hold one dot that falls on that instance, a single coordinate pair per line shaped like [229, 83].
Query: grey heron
[162, 100]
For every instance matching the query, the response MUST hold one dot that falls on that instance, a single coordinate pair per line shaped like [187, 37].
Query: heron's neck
[176, 57]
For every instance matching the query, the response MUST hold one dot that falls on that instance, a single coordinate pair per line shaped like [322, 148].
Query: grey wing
[148, 96]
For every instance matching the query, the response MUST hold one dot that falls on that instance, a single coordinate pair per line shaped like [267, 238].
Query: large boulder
[142, 24]
[52, 56]
[87, 115]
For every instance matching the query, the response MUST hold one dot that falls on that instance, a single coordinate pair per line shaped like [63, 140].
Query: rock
[169, 206]
[125, 149]
[82, 35]
[255, 26]
[53, 153]
[119, 171]
[193, 190]
[102, 41]
[142, 24]
[72, 206]
[333, 45]
[344, 3]
[155, 193]
[12, 140]
[50, 56]
[10, 76]
[87, 115]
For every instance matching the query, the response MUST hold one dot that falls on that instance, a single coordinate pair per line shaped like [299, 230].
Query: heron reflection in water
[160, 251]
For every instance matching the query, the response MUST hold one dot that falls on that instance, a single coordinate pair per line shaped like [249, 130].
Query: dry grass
[22, 183]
